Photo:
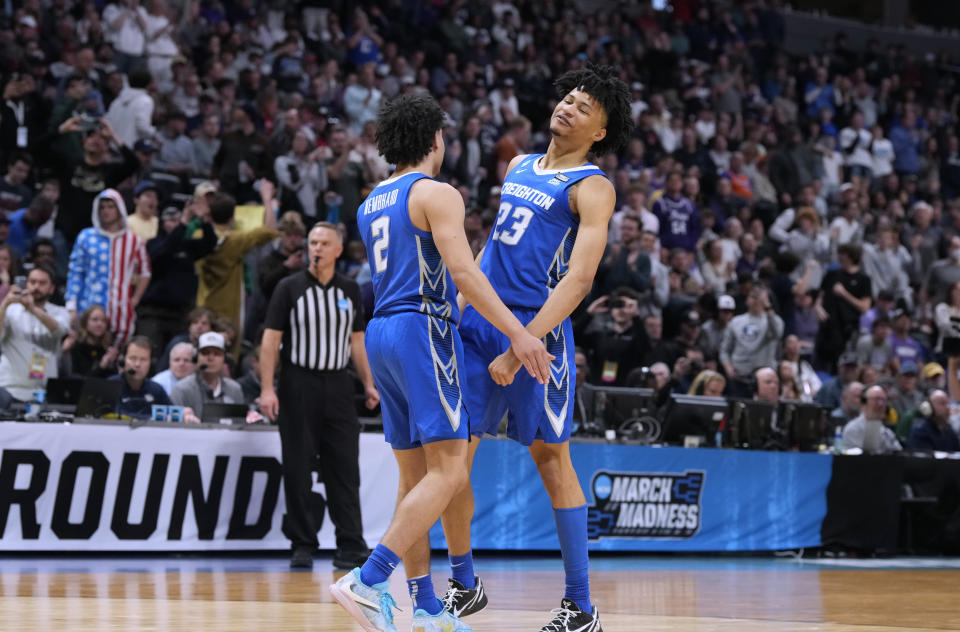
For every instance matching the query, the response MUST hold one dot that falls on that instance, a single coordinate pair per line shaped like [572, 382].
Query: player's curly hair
[406, 126]
[601, 83]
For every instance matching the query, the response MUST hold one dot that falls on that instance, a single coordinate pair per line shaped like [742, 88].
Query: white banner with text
[104, 487]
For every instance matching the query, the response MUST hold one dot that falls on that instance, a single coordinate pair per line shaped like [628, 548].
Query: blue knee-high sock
[461, 567]
[572, 531]
[422, 595]
[378, 567]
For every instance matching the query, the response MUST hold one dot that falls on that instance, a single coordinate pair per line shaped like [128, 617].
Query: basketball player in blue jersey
[541, 257]
[412, 227]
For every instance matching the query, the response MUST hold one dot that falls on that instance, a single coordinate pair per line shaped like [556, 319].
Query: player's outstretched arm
[594, 200]
[444, 212]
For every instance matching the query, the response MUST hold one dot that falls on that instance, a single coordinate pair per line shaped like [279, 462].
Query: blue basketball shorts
[417, 364]
[534, 410]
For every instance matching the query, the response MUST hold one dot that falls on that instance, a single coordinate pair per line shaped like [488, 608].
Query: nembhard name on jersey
[377, 202]
[528, 194]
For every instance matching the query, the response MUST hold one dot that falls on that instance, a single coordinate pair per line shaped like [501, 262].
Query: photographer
[302, 174]
[616, 335]
[31, 330]
[172, 292]
[81, 180]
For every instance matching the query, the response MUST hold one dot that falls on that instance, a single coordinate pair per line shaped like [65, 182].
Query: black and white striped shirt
[316, 320]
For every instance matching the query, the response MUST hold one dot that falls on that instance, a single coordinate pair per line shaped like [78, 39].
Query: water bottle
[838, 440]
[35, 405]
[333, 201]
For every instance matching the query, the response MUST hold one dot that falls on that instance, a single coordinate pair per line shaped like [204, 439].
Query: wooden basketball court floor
[637, 593]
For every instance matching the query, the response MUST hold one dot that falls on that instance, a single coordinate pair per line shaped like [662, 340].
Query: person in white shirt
[505, 104]
[131, 112]
[780, 229]
[637, 105]
[855, 143]
[882, 154]
[705, 126]
[847, 229]
[183, 363]
[636, 205]
[31, 330]
[719, 154]
[125, 24]
[832, 161]
[303, 171]
[160, 47]
[361, 101]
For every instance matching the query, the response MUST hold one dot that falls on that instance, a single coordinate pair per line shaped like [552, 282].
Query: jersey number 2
[380, 229]
[522, 216]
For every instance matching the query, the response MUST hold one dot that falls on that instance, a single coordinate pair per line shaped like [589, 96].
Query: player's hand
[533, 355]
[269, 405]
[373, 396]
[504, 367]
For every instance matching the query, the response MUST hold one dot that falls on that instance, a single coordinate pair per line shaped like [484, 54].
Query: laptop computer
[220, 413]
[64, 391]
[98, 397]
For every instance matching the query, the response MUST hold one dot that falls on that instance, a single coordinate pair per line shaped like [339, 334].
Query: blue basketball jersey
[408, 272]
[529, 248]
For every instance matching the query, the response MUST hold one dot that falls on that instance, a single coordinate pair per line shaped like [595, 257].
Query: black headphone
[140, 341]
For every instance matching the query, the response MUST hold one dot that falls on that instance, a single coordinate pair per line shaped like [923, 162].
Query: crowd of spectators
[799, 213]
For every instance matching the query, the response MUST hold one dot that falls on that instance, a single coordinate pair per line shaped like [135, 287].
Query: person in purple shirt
[905, 348]
[882, 309]
[679, 218]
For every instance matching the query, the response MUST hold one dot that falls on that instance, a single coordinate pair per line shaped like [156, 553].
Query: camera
[616, 301]
[89, 123]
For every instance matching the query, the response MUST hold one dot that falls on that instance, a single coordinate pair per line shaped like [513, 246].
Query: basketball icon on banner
[645, 505]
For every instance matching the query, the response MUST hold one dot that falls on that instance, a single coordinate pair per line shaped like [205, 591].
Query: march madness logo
[637, 505]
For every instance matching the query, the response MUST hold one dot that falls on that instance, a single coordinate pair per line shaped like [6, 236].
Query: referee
[317, 316]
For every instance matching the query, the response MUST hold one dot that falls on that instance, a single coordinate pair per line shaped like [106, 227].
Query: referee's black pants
[317, 418]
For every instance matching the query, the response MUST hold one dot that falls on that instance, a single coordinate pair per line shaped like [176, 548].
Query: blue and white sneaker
[371, 606]
[443, 622]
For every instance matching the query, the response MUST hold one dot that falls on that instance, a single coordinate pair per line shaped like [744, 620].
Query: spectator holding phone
[31, 330]
[182, 239]
[302, 173]
[82, 180]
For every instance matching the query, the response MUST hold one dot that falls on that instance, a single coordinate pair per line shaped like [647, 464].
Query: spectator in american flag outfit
[108, 266]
